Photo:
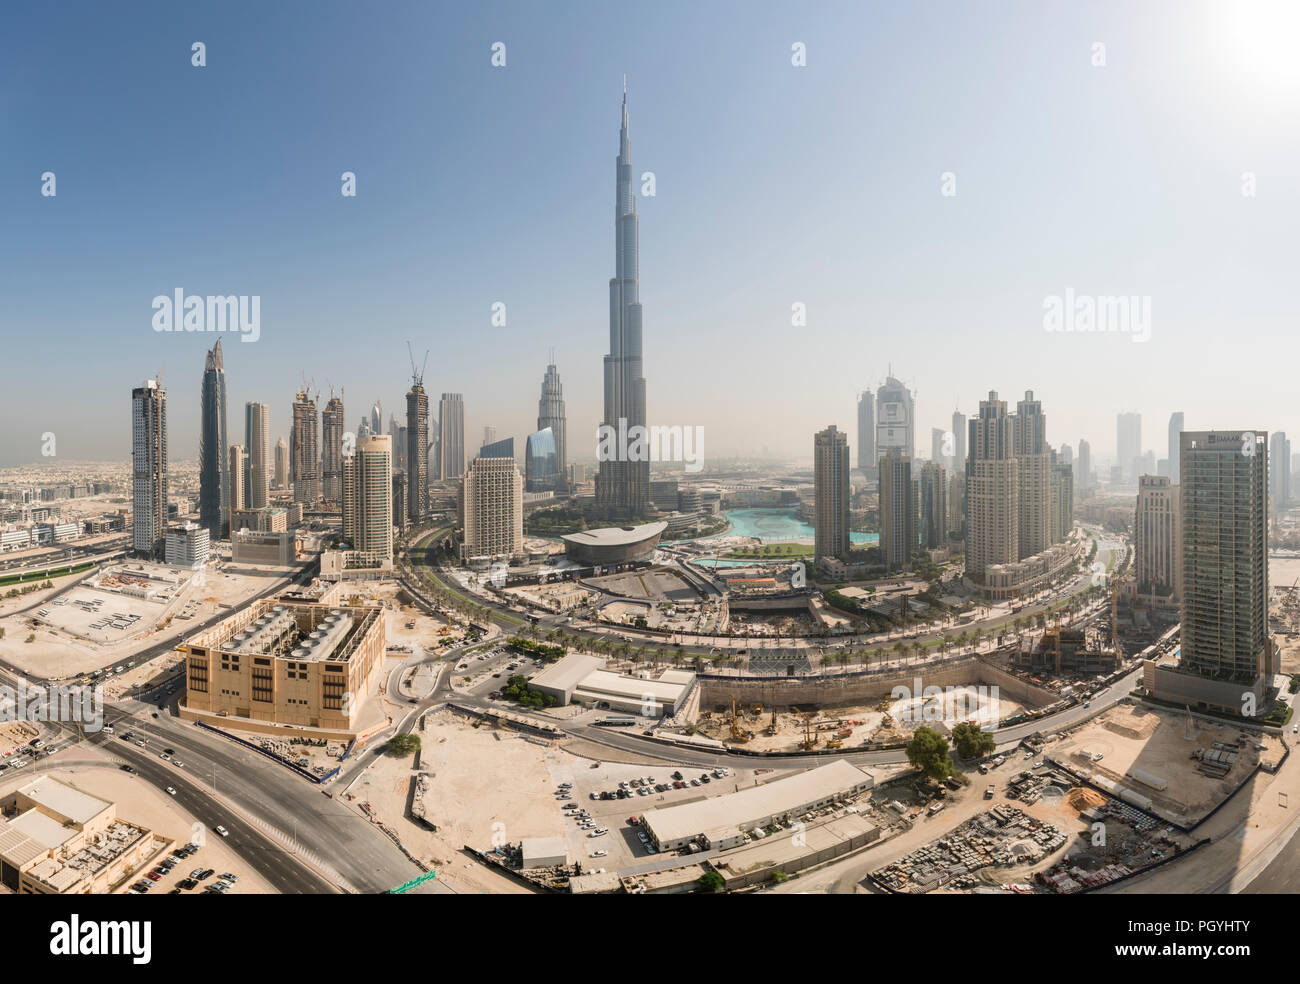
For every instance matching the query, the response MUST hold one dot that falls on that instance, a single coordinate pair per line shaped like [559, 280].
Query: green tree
[928, 751]
[970, 741]
[400, 745]
[710, 881]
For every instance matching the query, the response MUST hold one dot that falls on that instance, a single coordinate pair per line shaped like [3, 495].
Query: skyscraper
[540, 454]
[367, 495]
[1033, 466]
[332, 426]
[895, 419]
[550, 413]
[417, 450]
[1279, 472]
[492, 509]
[623, 485]
[1225, 643]
[830, 494]
[281, 464]
[238, 468]
[959, 439]
[1175, 429]
[214, 474]
[451, 435]
[149, 468]
[1157, 540]
[257, 438]
[1128, 444]
[304, 451]
[992, 491]
[866, 433]
[934, 506]
[1085, 466]
[897, 510]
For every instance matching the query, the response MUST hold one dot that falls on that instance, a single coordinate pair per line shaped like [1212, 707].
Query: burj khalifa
[622, 483]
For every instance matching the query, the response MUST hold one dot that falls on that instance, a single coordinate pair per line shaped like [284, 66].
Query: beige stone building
[57, 840]
[283, 662]
[1157, 543]
[492, 509]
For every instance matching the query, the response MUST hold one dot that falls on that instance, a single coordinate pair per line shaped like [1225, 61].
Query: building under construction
[1066, 650]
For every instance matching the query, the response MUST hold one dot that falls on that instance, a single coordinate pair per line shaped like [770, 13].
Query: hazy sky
[820, 185]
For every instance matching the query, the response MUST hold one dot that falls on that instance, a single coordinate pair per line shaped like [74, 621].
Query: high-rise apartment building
[551, 414]
[238, 469]
[1084, 478]
[332, 427]
[1062, 498]
[866, 433]
[417, 450]
[898, 510]
[1033, 466]
[992, 490]
[933, 490]
[492, 509]
[281, 464]
[541, 455]
[451, 435]
[149, 469]
[367, 496]
[895, 419]
[257, 438]
[399, 499]
[1128, 444]
[959, 441]
[831, 494]
[1226, 650]
[623, 485]
[304, 451]
[1157, 540]
[214, 475]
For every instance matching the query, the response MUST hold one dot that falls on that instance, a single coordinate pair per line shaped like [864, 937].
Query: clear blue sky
[775, 185]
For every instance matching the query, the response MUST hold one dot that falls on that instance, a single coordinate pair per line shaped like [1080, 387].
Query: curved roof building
[613, 545]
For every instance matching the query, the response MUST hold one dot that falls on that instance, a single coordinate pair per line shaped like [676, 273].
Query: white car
[222, 831]
[598, 833]
[171, 790]
[598, 854]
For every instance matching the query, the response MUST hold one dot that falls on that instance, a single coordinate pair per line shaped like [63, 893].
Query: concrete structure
[1279, 474]
[492, 509]
[281, 464]
[288, 663]
[898, 510]
[551, 414]
[1157, 541]
[264, 547]
[1128, 444]
[417, 451]
[933, 506]
[304, 451]
[451, 435]
[622, 484]
[214, 476]
[580, 678]
[148, 468]
[332, 427]
[895, 419]
[544, 852]
[831, 494]
[1175, 433]
[722, 821]
[1085, 466]
[61, 841]
[257, 439]
[992, 491]
[187, 545]
[1224, 504]
[355, 565]
[614, 545]
[238, 471]
[367, 492]
[269, 520]
[866, 433]
[1033, 470]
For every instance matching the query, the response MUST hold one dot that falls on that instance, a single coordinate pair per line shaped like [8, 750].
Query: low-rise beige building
[283, 662]
[57, 840]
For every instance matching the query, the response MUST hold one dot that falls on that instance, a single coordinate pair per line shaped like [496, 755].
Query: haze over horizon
[775, 185]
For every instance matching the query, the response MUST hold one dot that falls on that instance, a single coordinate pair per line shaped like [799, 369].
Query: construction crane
[417, 378]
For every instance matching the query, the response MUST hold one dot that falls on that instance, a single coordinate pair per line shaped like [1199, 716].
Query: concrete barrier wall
[862, 687]
[760, 875]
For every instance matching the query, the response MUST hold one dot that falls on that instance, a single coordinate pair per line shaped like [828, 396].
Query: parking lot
[485, 672]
